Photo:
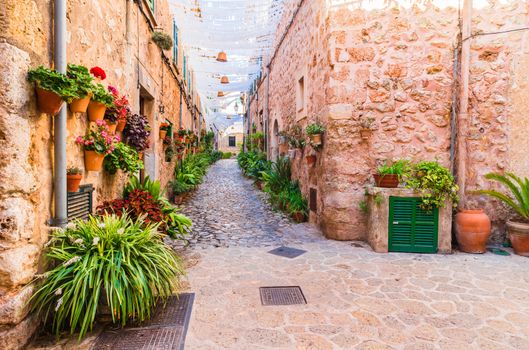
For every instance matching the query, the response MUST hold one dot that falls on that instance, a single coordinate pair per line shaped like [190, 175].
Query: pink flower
[104, 134]
[79, 140]
[113, 90]
[117, 138]
[100, 122]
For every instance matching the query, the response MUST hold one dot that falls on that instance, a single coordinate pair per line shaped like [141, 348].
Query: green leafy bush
[83, 80]
[435, 184]
[226, 155]
[315, 128]
[253, 163]
[192, 171]
[518, 198]
[123, 157]
[101, 95]
[162, 40]
[51, 80]
[114, 260]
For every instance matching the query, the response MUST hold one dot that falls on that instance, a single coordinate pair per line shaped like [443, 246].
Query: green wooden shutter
[175, 42]
[412, 229]
[151, 5]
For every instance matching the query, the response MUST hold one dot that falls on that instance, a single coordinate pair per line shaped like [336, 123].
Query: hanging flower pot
[48, 101]
[387, 180]
[315, 139]
[472, 230]
[140, 155]
[311, 159]
[111, 127]
[121, 125]
[96, 111]
[80, 105]
[93, 161]
[163, 133]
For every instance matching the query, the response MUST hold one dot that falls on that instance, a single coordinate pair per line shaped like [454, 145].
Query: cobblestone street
[356, 299]
[228, 211]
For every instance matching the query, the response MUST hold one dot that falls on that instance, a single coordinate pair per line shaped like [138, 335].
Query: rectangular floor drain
[282, 295]
[287, 252]
[165, 331]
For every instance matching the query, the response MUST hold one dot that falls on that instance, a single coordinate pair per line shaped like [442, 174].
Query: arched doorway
[274, 147]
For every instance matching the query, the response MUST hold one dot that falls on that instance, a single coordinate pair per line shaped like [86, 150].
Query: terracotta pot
[259, 185]
[140, 155]
[387, 181]
[111, 127]
[48, 101]
[519, 236]
[96, 111]
[365, 134]
[93, 161]
[311, 160]
[73, 182]
[121, 125]
[80, 105]
[315, 139]
[298, 217]
[163, 133]
[472, 230]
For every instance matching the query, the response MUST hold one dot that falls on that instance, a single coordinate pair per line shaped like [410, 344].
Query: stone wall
[112, 35]
[393, 62]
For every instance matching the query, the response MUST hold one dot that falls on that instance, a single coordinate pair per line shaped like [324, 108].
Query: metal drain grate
[165, 331]
[282, 295]
[287, 252]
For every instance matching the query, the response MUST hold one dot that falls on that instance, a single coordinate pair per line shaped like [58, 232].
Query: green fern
[518, 199]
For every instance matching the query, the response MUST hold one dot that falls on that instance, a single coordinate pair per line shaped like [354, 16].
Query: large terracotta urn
[519, 236]
[472, 231]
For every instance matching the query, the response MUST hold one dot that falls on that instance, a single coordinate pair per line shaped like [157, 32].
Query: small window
[231, 141]
[300, 95]
[151, 5]
[175, 43]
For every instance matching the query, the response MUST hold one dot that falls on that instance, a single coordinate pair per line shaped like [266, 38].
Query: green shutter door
[412, 229]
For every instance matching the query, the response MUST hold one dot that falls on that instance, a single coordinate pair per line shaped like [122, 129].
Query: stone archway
[274, 145]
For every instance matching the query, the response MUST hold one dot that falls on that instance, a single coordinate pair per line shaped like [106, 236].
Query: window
[300, 94]
[231, 141]
[175, 43]
[185, 68]
[151, 5]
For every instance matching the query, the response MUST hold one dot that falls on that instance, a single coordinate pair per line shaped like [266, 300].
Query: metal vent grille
[80, 203]
[313, 200]
[282, 295]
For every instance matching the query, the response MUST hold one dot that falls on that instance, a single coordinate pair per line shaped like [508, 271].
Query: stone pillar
[19, 246]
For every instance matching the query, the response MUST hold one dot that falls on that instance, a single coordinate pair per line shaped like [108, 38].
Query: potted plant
[97, 143]
[389, 176]
[434, 183]
[73, 179]
[164, 128]
[123, 157]
[116, 115]
[83, 87]
[472, 228]
[101, 100]
[366, 127]
[518, 200]
[162, 40]
[136, 132]
[52, 87]
[297, 205]
[315, 132]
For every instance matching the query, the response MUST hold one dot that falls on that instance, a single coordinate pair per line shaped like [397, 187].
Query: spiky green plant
[518, 199]
[112, 259]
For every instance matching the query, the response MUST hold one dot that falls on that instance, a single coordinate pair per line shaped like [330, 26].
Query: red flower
[98, 73]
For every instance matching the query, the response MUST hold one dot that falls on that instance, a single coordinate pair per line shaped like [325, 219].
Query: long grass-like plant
[518, 199]
[105, 260]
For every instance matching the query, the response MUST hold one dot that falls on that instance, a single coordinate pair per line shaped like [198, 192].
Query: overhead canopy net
[244, 30]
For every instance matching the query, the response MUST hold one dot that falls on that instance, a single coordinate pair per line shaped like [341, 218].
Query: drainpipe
[61, 218]
[462, 130]
[267, 120]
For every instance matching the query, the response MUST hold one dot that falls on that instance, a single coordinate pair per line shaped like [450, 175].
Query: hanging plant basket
[163, 133]
[111, 127]
[80, 105]
[93, 161]
[48, 101]
[315, 139]
[96, 111]
[162, 40]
